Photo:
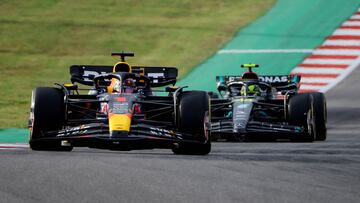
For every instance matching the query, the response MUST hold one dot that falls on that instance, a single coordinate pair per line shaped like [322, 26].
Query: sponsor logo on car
[88, 73]
[274, 79]
[74, 131]
[162, 132]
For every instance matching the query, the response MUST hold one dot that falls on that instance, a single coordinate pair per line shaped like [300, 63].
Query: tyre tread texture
[192, 108]
[320, 111]
[298, 109]
[49, 115]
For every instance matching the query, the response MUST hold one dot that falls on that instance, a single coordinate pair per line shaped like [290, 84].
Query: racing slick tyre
[193, 118]
[301, 113]
[47, 114]
[320, 111]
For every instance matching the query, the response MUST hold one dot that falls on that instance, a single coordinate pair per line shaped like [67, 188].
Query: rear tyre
[47, 114]
[320, 111]
[194, 118]
[301, 113]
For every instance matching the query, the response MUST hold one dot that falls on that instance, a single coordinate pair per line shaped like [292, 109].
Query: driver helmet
[128, 86]
[250, 90]
[115, 86]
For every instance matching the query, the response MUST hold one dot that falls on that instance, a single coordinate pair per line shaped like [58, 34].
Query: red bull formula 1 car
[261, 107]
[120, 111]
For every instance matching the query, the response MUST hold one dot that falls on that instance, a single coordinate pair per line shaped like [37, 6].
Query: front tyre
[194, 118]
[320, 112]
[47, 113]
[301, 113]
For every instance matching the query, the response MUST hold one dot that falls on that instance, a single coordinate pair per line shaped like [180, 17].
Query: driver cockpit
[119, 86]
[247, 89]
[247, 85]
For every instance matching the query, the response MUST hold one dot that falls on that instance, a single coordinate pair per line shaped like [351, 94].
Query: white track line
[317, 79]
[337, 52]
[347, 32]
[298, 70]
[342, 42]
[321, 73]
[343, 75]
[260, 51]
[352, 23]
[355, 17]
[328, 61]
[310, 87]
[14, 146]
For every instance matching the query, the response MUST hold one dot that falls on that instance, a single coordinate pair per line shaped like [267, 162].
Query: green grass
[40, 39]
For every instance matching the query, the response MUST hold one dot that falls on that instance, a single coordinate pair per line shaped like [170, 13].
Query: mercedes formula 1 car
[120, 111]
[264, 107]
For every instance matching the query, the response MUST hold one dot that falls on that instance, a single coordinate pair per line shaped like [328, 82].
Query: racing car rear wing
[280, 80]
[159, 76]
[277, 81]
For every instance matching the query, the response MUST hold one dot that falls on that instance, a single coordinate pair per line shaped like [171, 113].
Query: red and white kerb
[333, 60]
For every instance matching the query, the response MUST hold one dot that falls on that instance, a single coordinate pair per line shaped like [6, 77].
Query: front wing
[256, 128]
[98, 136]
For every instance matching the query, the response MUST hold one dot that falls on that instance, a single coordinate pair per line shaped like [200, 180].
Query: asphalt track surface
[234, 172]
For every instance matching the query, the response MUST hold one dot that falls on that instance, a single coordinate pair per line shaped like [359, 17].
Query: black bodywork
[265, 115]
[154, 120]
